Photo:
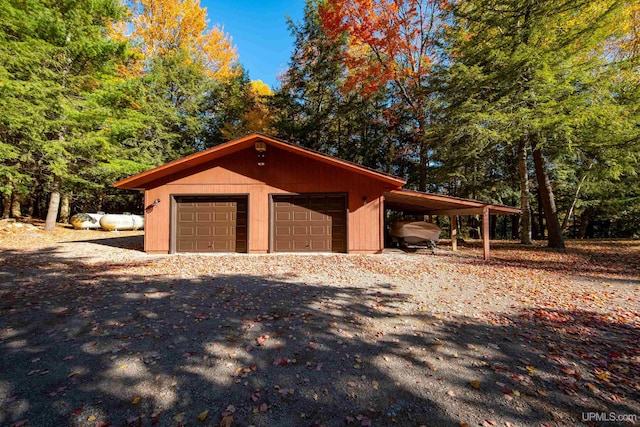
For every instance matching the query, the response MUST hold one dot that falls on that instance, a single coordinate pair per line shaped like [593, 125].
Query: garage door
[211, 224]
[309, 223]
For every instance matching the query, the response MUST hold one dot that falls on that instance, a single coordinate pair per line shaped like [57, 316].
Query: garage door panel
[299, 230]
[283, 216]
[301, 246]
[186, 231]
[283, 231]
[317, 216]
[211, 224]
[203, 217]
[301, 216]
[186, 247]
[304, 223]
[318, 230]
[186, 217]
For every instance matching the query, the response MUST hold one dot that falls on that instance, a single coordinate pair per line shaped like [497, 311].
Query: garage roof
[143, 179]
[399, 199]
[436, 204]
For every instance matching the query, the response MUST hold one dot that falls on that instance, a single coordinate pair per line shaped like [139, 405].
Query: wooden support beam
[485, 232]
[454, 232]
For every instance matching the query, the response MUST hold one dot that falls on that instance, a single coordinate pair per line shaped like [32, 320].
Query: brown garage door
[309, 223]
[211, 224]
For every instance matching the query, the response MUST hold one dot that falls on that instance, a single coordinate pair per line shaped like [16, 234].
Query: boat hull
[415, 232]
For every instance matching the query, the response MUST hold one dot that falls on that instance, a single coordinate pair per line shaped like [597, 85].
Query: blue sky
[259, 31]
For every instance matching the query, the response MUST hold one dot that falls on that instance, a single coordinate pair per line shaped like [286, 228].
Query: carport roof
[436, 204]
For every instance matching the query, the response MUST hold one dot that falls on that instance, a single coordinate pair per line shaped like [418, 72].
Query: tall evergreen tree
[57, 53]
[524, 72]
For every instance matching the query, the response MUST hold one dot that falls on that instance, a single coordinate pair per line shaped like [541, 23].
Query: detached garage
[259, 194]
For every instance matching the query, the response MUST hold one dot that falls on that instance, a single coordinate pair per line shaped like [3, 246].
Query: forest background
[532, 103]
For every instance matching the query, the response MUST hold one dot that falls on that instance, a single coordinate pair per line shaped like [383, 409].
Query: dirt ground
[93, 332]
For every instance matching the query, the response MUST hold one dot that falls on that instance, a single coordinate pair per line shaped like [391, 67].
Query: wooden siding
[284, 172]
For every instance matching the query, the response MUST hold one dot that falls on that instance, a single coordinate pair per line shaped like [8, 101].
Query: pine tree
[527, 73]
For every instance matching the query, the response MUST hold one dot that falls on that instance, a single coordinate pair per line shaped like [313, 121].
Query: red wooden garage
[258, 194]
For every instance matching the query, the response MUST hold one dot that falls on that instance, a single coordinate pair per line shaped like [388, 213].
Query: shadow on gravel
[105, 346]
[122, 242]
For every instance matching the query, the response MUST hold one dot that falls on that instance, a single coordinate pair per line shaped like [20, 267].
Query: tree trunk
[515, 226]
[525, 205]
[541, 222]
[65, 208]
[6, 205]
[536, 227]
[16, 200]
[493, 227]
[548, 200]
[567, 218]
[422, 167]
[585, 218]
[54, 205]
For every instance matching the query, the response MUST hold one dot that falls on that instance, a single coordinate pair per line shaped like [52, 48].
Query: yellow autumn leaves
[159, 28]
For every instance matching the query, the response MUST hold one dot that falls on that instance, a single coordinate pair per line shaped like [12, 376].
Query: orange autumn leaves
[389, 40]
[160, 28]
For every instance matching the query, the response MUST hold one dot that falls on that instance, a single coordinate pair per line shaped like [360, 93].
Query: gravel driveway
[93, 332]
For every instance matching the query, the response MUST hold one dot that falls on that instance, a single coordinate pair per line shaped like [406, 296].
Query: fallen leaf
[132, 420]
[203, 415]
[593, 388]
[226, 421]
[136, 400]
[542, 393]
[475, 384]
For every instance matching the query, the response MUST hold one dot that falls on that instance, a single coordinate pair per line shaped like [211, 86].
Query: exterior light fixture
[149, 208]
[261, 148]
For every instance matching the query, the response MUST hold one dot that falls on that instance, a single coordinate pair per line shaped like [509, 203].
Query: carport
[420, 203]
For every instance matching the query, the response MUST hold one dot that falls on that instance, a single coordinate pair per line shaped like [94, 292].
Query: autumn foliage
[163, 27]
[389, 40]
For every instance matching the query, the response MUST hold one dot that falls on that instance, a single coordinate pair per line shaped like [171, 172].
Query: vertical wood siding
[284, 172]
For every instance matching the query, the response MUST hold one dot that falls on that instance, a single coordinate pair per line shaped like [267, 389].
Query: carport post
[453, 219]
[485, 231]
